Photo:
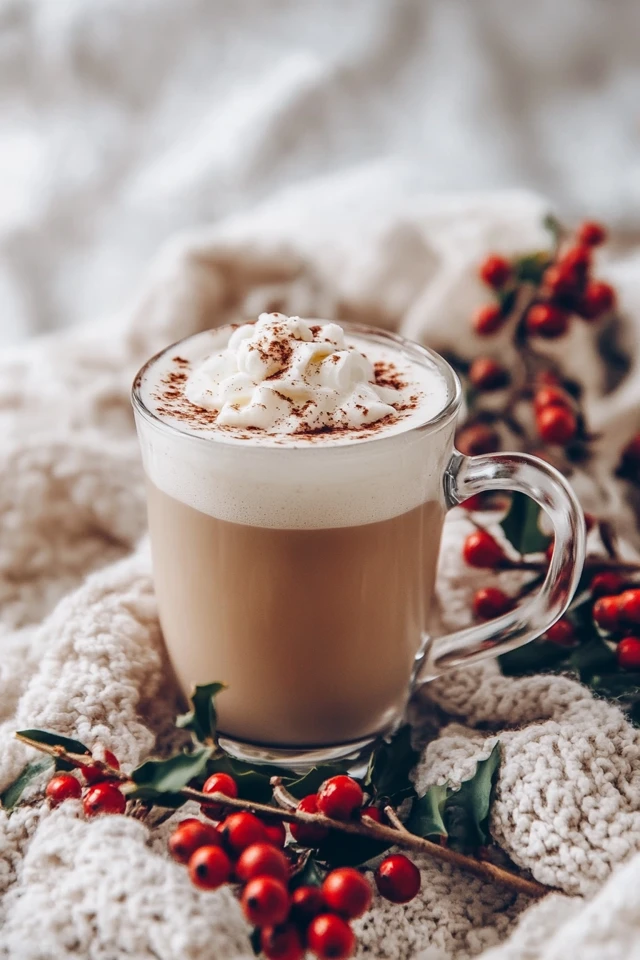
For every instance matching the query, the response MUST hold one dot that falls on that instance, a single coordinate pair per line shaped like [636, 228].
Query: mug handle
[466, 476]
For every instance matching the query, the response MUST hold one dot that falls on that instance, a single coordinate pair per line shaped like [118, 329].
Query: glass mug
[302, 576]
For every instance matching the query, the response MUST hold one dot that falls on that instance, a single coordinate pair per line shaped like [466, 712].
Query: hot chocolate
[295, 512]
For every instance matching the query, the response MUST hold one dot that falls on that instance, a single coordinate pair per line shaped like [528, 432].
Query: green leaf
[530, 268]
[255, 938]
[311, 781]
[535, 657]
[520, 526]
[169, 776]
[54, 740]
[467, 810]
[553, 225]
[342, 850]
[427, 813]
[311, 875]
[14, 791]
[390, 765]
[254, 783]
[593, 657]
[462, 815]
[507, 299]
[202, 719]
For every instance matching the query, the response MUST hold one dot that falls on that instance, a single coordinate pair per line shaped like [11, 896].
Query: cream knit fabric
[81, 652]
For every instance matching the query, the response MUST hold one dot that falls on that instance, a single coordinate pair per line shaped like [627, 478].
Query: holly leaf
[530, 268]
[520, 526]
[535, 657]
[54, 740]
[312, 874]
[202, 719]
[553, 225]
[31, 772]
[311, 781]
[466, 812]
[427, 813]
[160, 780]
[254, 783]
[460, 814]
[390, 765]
[255, 938]
[342, 850]
[593, 657]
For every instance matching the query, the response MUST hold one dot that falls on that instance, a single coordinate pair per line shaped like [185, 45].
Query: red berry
[262, 860]
[550, 397]
[347, 892]
[548, 321]
[560, 281]
[629, 606]
[628, 653]
[374, 813]
[242, 830]
[546, 378]
[591, 233]
[495, 271]
[339, 797]
[481, 550]
[308, 834]
[282, 943]
[606, 584]
[306, 903]
[477, 439]
[487, 374]
[576, 258]
[63, 787]
[265, 901]
[561, 633]
[488, 319]
[490, 602]
[556, 425]
[189, 836]
[589, 521]
[103, 798]
[606, 612]
[276, 833]
[598, 298]
[209, 868]
[92, 772]
[397, 879]
[218, 783]
[330, 937]
[476, 502]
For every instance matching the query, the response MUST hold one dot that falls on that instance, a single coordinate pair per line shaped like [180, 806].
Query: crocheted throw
[82, 654]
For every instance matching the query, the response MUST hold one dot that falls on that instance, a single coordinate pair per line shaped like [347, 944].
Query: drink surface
[287, 381]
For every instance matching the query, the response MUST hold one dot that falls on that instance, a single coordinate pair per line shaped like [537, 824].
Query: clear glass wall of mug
[302, 576]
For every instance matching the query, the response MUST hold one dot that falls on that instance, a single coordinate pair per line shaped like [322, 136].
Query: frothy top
[314, 476]
[283, 380]
[285, 375]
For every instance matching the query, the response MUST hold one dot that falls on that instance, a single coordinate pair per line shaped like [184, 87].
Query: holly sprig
[449, 823]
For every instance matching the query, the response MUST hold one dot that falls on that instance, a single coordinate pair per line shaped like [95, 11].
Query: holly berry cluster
[291, 917]
[102, 793]
[537, 296]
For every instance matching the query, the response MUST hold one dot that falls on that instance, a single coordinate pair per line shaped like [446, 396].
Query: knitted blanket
[81, 650]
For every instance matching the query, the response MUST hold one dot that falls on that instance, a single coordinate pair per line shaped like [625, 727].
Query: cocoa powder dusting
[173, 404]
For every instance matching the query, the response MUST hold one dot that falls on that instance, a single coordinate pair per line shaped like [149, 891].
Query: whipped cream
[287, 375]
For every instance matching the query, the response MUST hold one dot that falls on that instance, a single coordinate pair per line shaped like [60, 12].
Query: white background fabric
[81, 652]
[122, 121]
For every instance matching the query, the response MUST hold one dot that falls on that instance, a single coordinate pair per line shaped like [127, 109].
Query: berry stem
[397, 834]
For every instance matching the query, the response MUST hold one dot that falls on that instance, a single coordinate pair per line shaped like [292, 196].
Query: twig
[393, 835]
[395, 820]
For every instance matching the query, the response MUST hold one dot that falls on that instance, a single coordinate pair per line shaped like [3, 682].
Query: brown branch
[393, 835]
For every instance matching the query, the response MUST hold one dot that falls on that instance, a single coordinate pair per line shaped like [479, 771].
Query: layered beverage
[295, 510]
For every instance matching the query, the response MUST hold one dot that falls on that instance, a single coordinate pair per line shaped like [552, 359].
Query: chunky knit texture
[81, 650]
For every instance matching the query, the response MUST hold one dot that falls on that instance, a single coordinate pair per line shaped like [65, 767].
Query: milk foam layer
[287, 375]
[346, 478]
